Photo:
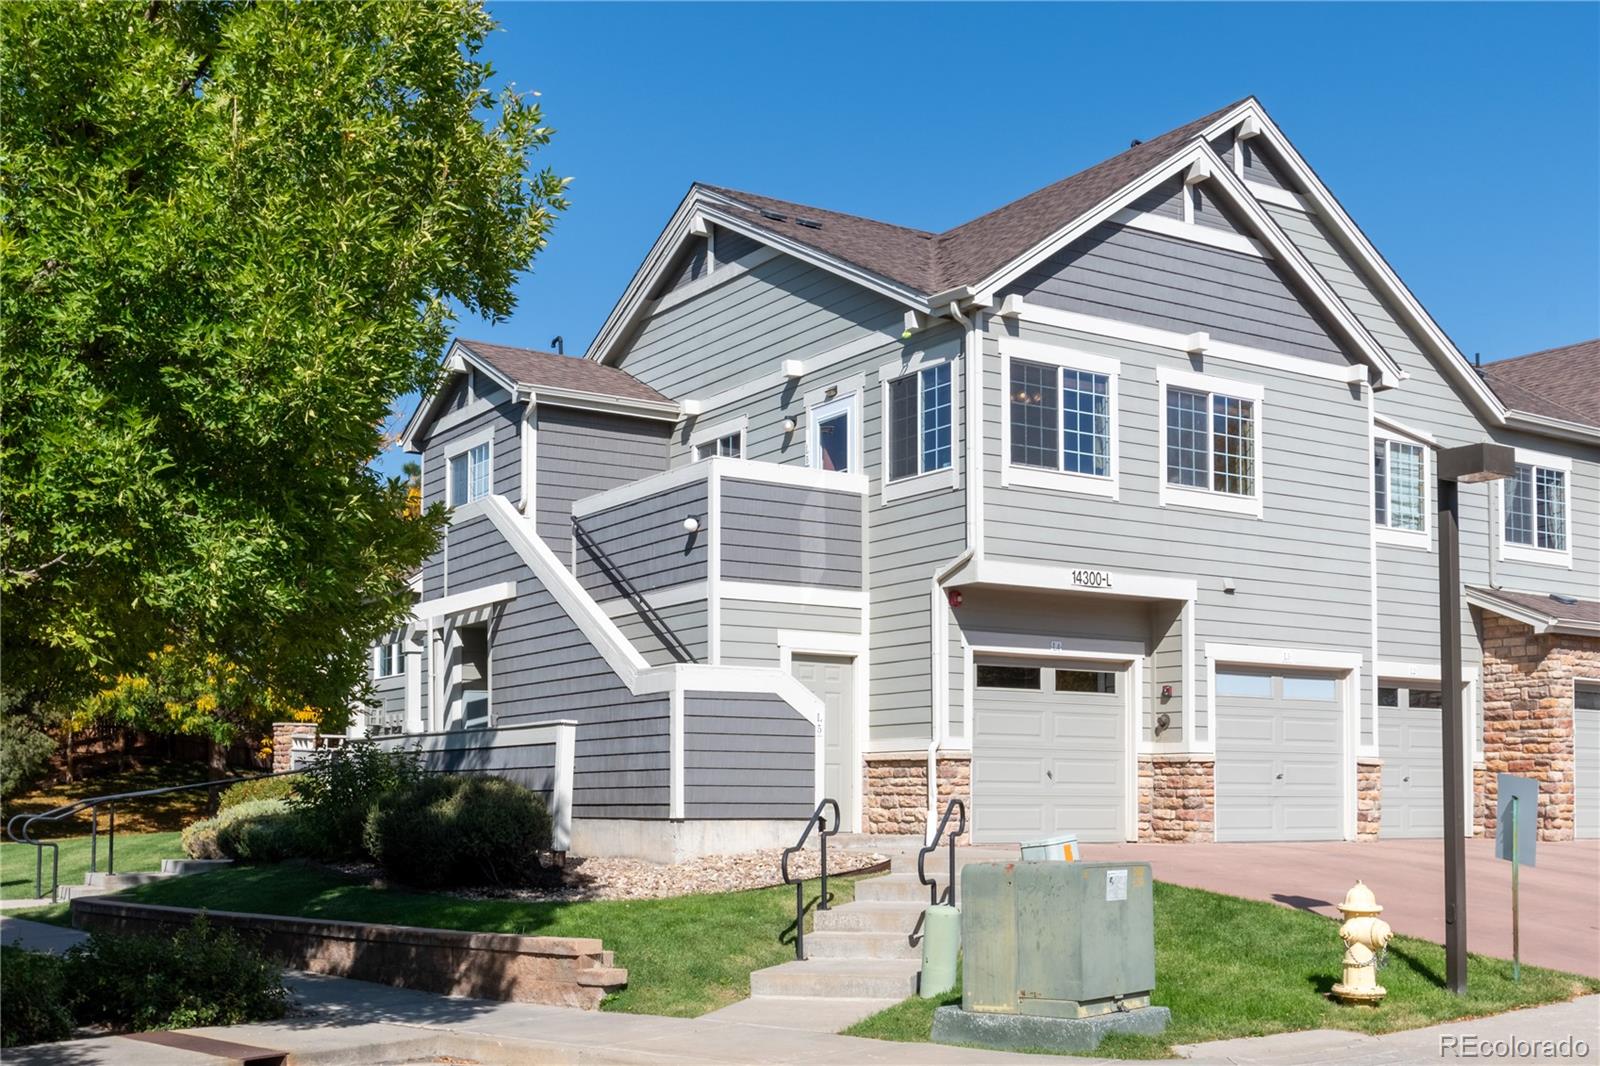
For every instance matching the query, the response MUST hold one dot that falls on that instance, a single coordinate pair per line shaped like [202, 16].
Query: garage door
[1048, 751]
[1413, 761]
[1586, 739]
[1278, 756]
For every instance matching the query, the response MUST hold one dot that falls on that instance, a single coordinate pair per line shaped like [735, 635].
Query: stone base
[673, 842]
[1177, 796]
[1369, 798]
[894, 792]
[1014, 1032]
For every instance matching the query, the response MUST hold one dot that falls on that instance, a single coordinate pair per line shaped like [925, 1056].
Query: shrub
[34, 1008]
[25, 749]
[266, 830]
[339, 787]
[199, 976]
[451, 829]
[260, 788]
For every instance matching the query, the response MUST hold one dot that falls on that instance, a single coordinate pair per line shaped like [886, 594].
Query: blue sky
[1463, 138]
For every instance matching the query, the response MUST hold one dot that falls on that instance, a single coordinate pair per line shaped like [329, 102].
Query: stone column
[283, 746]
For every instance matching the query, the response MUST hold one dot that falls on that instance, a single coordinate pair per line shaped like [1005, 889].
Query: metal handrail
[955, 805]
[92, 804]
[799, 889]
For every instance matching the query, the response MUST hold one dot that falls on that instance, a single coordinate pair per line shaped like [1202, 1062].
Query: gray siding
[1166, 200]
[750, 628]
[505, 420]
[730, 246]
[783, 533]
[746, 756]
[690, 266]
[580, 453]
[641, 546]
[502, 752]
[1154, 280]
[668, 634]
[542, 667]
[388, 706]
[1260, 167]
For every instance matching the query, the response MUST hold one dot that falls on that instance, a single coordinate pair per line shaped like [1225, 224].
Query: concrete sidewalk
[38, 936]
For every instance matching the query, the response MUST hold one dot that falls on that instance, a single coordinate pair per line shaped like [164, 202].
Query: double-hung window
[469, 469]
[1535, 510]
[921, 409]
[724, 439]
[387, 660]
[1211, 442]
[1060, 419]
[1400, 489]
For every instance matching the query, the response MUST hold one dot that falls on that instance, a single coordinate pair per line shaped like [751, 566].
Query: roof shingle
[526, 366]
[1556, 383]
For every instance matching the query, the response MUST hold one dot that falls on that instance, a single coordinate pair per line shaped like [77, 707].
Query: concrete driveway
[1560, 897]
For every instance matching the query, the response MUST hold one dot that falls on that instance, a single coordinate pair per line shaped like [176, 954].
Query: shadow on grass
[1301, 903]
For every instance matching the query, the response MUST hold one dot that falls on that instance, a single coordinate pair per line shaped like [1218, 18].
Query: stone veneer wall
[1177, 798]
[894, 792]
[282, 745]
[1528, 715]
[1369, 798]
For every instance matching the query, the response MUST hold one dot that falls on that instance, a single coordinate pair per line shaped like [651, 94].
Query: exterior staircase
[860, 958]
[103, 884]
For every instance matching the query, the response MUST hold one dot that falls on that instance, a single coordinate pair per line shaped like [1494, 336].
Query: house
[1109, 511]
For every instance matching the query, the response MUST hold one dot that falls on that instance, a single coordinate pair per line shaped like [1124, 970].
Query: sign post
[1517, 817]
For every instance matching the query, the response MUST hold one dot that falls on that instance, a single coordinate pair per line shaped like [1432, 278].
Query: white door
[831, 437]
[1049, 750]
[832, 679]
[1586, 750]
[1412, 749]
[1279, 756]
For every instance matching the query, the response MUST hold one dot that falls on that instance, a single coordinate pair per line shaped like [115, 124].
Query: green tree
[232, 235]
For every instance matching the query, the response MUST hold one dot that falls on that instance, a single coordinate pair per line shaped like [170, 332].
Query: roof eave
[554, 396]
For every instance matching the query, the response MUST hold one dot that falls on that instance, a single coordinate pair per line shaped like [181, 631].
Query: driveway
[1560, 897]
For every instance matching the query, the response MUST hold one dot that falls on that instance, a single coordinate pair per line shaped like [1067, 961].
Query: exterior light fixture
[691, 524]
[789, 425]
[1469, 464]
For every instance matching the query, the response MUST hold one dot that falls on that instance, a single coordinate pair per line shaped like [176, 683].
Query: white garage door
[1586, 740]
[1278, 756]
[1048, 750]
[1413, 761]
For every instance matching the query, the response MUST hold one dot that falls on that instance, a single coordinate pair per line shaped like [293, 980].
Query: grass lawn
[1231, 967]
[136, 852]
[684, 956]
[153, 814]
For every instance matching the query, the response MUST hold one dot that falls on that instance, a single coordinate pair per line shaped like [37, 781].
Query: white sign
[1092, 579]
[1116, 885]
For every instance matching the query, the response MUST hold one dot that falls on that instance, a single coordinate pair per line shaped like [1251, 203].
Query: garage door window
[1086, 681]
[1311, 689]
[1249, 686]
[1024, 677]
[1391, 696]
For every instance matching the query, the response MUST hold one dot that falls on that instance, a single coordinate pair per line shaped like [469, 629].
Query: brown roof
[1567, 612]
[931, 263]
[526, 366]
[1557, 382]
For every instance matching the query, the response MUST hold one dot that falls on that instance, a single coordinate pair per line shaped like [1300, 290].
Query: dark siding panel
[792, 535]
[644, 541]
[746, 756]
[690, 266]
[731, 246]
[486, 751]
[581, 453]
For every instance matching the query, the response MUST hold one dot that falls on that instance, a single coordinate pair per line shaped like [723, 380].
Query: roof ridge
[1509, 359]
[734, 193]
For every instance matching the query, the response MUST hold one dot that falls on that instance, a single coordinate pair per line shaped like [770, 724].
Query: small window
[1251, 686]
[832, 435]
[388, 659]
[1211, 442]
[1310, 689]
[1587, 697]
[1388, 697]
[1060, 419]
[1424, 697]
[1536, 507]
[1086, 681]
[1022, 677]
[920, 411]
[1399, 490]
[730, 447]
[469, 475]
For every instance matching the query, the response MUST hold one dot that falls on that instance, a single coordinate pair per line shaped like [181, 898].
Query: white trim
[855, 647]
[554, 396]
[1346, 663]
[1169, 495]
[847, 401]
[926, 481]
[1420, 539]
[1190, 230]
[738, 469]
[413, 708]
[1399, 428]
[461, 415]
[529, 454]
[1398, 673]
[1060, 480]
[714, 564]
[1133, 700]
[1271, 194]
[1531, 553]
[803, 595]
[566, 745]
[430, 613]
[454, 450]
[1373, 605]
[675, 760]
[715, 432]
[986, 570]
[1411, 670]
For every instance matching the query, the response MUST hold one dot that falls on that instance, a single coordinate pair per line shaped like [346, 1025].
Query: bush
[25, 750]
[34, 1008]
[260, 788]
[200, 976]
[451, 829]
[266, 830]
[339, 787]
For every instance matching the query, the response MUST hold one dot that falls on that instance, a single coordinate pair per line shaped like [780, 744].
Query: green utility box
[1057, 939]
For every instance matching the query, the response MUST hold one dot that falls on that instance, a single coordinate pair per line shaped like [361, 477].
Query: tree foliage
[232, 236]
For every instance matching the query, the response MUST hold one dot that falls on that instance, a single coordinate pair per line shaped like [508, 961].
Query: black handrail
[799, 889]
[24, 834]
[950, 808]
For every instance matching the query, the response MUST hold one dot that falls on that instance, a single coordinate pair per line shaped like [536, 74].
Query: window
[1060, 428]
[730, 446]
[920, 409]
[1022, 677]
[1536, 507]
[469, 474]
[832, 439]
[472, 676]
[1103, 681]
[1311, 689]
[1252, 686]
[1210, 443]
[387, 659]
[1399, 480]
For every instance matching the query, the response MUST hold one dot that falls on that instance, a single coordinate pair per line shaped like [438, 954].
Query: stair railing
[20, 826]
[816, 820]
[955, 806]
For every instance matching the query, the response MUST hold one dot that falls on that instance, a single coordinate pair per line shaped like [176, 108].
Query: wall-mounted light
[1163, 722]
[789, 425]
[691, 524]
[1228, 586]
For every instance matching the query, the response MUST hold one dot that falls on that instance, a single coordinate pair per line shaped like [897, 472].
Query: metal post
[1455, 848]
[950, 892]
[1516, 910]
[94, 839]
[799, 920]
[822, 823]
[111, 841]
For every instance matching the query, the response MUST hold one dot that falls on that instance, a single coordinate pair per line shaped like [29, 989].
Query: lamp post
[1468, 464]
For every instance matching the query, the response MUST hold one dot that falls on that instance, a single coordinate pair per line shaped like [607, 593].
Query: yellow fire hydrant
[1364, 935]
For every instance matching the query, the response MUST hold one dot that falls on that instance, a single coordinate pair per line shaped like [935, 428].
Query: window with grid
[1220, 456]
[469, 475]
[730, 446]
[1536, 507]
[1060, 419]
[388, 659]
[1398, 469]
[920, 412]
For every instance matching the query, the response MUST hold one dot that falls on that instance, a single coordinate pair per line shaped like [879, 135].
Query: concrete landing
[809, 1013]
[38, 936]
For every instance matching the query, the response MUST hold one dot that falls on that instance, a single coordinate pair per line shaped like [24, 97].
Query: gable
[1133, 275]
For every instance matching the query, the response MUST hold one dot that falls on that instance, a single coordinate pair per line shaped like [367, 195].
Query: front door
[832, 679]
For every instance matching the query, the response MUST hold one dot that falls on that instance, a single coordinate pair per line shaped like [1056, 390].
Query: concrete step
[184, 867]
[903, 888]
[858, 945]
[66, 893]
[871, 916]
[117, 882]
[838, 979]
[806, 1013]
